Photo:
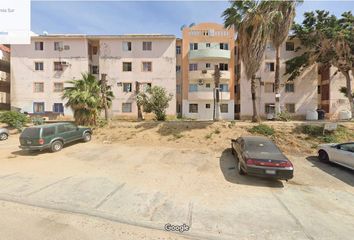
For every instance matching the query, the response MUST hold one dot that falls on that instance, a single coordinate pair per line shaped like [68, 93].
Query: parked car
[4, 134]
[259, 156]
[53, 136]
[342, 154]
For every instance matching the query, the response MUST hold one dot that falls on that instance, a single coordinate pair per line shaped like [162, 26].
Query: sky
[129, 17]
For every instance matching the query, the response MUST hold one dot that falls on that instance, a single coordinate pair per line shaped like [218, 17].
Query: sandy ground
[131, 180]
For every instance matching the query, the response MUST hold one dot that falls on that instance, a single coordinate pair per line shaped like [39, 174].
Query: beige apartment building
[40, 70]
[4, 77]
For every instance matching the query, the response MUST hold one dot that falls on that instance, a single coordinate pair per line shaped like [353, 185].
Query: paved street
[149, 187]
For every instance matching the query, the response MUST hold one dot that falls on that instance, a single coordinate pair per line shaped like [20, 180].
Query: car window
[48, 131]
[347, 147]
[261, 146]
[30, 133]
[66, 128]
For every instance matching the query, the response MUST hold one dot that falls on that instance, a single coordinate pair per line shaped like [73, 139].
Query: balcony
[207, 74]
[209, 54]
[207, 95]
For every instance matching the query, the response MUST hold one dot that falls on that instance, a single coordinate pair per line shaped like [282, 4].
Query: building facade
[4, 77]
[205, 46]
[40, 71]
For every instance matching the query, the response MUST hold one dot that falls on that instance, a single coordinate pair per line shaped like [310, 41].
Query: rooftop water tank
[312, 115]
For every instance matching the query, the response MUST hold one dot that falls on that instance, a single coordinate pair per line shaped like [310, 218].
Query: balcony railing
[209, 53]
[207, 74]
[207, 95]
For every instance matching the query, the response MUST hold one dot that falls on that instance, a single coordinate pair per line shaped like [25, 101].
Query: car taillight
[41, 141]
[286, 164]
[251, 162]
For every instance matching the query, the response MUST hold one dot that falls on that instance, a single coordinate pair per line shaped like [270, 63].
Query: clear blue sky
[123, 17]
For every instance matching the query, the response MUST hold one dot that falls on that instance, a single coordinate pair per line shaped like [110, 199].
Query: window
[224, 108]
[94, 70]
[145, 86]
[237, 108]
[48, 131]
[207, 105]
[290, 107]
[58, 46]
[207, 65]
[269, 87]
[224, 46]
[66, 128]
[147, 66]
[224, 87]
[94, 50]
[38, 107]
[38, 46]
[269, 108]
[193, 108]
[147, 46]
[208, 45]
[207, 85]
[38, 87]
[127, 87]
[58, 87]
[289, 46]
[289, 87]
[58, 66]
[193, 67]
[58, 108]
[269, 67]
[127, 66]
[178, 68]
[178, 88]
[193, 46]
[127, 46]
[126, 107]
[193, 88]
[38, 66]
[318, 89]
[178, 49]
[224, 67]
[237, 88]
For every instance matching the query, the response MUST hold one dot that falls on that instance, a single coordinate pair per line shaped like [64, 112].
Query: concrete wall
[162, 56]
[23, 72]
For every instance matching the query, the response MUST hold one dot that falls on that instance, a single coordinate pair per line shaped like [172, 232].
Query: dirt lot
[133, 178]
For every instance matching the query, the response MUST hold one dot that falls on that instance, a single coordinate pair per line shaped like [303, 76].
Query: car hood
[327, 145]
[266, 155]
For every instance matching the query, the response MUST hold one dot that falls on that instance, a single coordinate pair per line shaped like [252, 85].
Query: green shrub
[312, 130]
[209, 136]
[14, 119]
[217, 131]
[262, 129]
[37, 121]
[284, 116]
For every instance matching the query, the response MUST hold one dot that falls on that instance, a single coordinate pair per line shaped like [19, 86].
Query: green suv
[53, 136]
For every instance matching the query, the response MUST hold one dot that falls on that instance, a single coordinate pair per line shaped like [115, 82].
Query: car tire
[239, 168]
[56, 146]
[87, 137]
[3, 136]
[323, 156]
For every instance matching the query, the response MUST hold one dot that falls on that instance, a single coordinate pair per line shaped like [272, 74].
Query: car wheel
[87, 137]
[3, 136]
[323, 156]
[56, 146]
[239, 168]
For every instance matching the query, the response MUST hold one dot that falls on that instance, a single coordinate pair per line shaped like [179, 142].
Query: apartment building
[205, 46]
[4, 77]
[40, 70]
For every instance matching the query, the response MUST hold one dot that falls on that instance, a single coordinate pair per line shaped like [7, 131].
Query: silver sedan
[342, 154]
[4, 134]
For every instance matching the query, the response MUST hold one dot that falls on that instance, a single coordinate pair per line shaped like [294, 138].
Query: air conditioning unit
[66, 47]
[64, 63]
[200, 81]
[204, 71]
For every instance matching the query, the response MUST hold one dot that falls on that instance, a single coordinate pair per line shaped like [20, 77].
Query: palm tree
[84, 97]
[282, 14]
[251, 20]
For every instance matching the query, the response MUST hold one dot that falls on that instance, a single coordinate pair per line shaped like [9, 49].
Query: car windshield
[261, 146]
[31, 132]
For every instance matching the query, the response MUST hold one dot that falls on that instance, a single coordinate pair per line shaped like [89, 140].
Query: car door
[345, 154]
[72, 132]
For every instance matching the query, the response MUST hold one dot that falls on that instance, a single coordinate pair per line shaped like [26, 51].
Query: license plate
[29, 142]
[270, 172]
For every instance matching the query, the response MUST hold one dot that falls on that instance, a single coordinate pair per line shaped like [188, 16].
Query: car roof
[51, 125]
[256, 138]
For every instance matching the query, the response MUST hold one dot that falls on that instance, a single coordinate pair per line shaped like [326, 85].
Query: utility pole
[137, 90]
[104, 96]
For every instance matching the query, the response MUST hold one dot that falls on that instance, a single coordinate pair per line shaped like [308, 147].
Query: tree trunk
[277, 81]
[104, 97]
[349, 91]
[140, 114]
[255, 117]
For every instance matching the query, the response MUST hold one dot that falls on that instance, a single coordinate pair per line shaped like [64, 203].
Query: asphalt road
[150, 187]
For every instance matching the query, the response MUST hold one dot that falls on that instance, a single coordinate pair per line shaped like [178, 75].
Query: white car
[342, 154]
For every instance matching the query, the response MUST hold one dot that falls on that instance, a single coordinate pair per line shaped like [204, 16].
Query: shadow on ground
[229, 170]
[344, 174]
[37, 152]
